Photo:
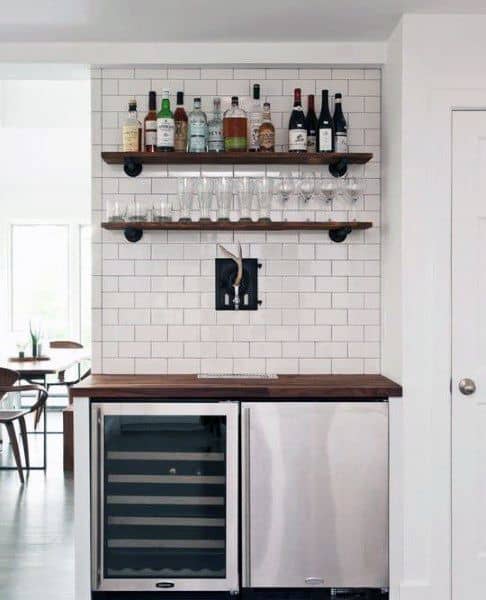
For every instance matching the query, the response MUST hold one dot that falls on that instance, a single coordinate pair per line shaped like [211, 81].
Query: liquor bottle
[235, 128]
[266, 133]
[150, 125]
[254, 120]
[324, 126]
[197, 135]
[215, 129]
[180, 121]
[165, 125]
[132, 130]
[311, 124]
[297, 130]
[340, 126]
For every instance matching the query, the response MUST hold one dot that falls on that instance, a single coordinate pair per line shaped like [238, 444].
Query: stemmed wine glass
[353, 188]
[285, 188]
[328, 189]
[306, 188]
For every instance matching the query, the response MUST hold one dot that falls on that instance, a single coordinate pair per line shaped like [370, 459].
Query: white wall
[45, 133]
[439, 64]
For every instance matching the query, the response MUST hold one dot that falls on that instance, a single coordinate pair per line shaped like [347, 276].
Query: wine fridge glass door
[165, 496]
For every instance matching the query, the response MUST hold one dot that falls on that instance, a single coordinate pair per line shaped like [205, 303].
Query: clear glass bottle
[132, 130]
[197, 129]
[254, 120]
[165, 125]
[266, 132]
[235, 128]
[215, 129]
[180, 119]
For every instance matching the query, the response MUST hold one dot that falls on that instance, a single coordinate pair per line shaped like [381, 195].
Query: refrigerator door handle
[246, 497]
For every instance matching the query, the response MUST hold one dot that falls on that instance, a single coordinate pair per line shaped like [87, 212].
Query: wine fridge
[164, 496]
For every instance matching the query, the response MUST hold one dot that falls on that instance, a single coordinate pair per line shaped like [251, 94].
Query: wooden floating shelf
[338, 230]
[235, 158]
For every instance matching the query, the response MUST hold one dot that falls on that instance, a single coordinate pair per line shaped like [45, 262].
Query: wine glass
[285, 188]
[224, 198]
[353, 188]
[264, 192]
[244, 191]
[184, 195]
[306, 188]
[205, 195]
[328, 189]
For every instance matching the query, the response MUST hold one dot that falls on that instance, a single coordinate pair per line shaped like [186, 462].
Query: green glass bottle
[165, 125]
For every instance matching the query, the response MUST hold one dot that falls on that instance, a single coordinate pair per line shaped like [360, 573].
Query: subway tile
[282, 332]
[183, 73]
[150, 333]
[282, 365]
[233, 349]
[134, 316]
[366, 87]
[217, 333]
[331, 349]
[331, 316]
[118, 366]
[150, 366]
[133, 349]
[347, 333]
[166, 316]
[199, 349]
[347, 300]
[134, 284]
[184, 365]
[118, 333]
[314, 333]
[314, 365]
[347, 365]
[222, 365]
[117, 300]
[183, 333]
[300, 349]
[133, 251]
[167, 349]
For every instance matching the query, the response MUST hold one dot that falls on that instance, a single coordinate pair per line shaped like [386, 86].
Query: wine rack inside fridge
[165, 497]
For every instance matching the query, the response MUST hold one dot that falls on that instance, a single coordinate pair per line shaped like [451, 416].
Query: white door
[468, 354]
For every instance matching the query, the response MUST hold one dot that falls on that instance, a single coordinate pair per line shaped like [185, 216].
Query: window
[50, 280]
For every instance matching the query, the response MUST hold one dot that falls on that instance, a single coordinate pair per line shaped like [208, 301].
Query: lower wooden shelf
[338, 230]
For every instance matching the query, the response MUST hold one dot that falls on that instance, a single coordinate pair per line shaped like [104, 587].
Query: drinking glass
[353, 188]
[184, 194]
[264, 193]
[205, 196]
[285, 188]
[136, 212]
[224, 198]
[328, 189]
[160, 211]
[244, 191]
[306, 187]
[116, 211]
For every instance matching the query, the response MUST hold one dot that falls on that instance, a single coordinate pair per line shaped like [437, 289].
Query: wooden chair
[62, 381]
[9, 383]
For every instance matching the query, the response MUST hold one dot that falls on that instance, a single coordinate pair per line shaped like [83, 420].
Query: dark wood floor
[36, 526]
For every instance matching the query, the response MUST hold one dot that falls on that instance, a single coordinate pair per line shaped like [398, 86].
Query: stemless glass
[136, 212]
[205, 196]
[224, 198]
[116, 211]
[184, 195]
[264, 192]
[160, 211]
[244, 191]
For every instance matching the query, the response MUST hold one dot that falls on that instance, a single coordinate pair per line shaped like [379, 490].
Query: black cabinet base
[252, 594]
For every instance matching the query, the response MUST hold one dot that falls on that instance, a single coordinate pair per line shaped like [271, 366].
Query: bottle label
[325, 140]
[341, 142]
[311, 143]
[180, 136]
[215, 137]
[165, 132]
[297, 140]
[266, 138]
[131, 138]
[235, 133]
[253, 141]
[197, 137]
[150, 133]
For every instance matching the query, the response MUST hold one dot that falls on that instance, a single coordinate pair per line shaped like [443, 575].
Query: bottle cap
[216, 101]
[152, 100]
[266, 105]
[256, 91]
[132, 105]
[234, 100]
[197, 100]
[338, 96]
[180, 97]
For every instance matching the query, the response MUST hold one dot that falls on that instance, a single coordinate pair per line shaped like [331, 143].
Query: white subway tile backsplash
[155, 299]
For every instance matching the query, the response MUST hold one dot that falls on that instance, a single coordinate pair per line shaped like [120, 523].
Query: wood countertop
[352, 387]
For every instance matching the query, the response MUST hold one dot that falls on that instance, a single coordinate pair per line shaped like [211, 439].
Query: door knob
[467, 386]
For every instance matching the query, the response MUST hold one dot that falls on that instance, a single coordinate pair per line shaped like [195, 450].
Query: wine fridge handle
[246, 497]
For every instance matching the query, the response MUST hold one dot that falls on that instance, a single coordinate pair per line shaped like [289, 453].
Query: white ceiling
[212, 20]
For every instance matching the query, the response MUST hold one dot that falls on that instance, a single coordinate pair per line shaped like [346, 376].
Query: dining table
[55, 363]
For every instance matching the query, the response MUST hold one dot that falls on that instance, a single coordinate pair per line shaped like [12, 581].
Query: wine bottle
[324, 126]
[150, 125]
[297, 129]
[165, 125]
[180, 121]
[311, 124]
[254, 120]
[340, 126]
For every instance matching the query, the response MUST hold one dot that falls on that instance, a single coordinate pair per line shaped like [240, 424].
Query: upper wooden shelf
[233, 158]
[133, 161]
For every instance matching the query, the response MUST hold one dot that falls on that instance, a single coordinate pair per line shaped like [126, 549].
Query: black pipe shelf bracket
[133, 234]
[339, 167]
[339, 234]
[132, 166]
